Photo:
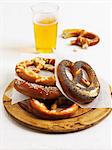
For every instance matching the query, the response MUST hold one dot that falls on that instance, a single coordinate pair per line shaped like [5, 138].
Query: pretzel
[73, 88]
[84, 38]
[45, 111]
[29, 70]
[36, 91]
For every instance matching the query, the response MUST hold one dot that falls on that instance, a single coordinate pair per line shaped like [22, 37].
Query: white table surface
[17, 37]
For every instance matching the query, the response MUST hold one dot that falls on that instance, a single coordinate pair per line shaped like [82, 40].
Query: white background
[16, 36]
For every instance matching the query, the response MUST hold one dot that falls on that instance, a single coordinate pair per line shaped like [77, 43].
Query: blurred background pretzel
[84, 38]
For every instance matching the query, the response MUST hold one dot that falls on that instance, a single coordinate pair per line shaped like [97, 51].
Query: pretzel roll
[78, 89]
[29, 70]
[36, 91]
[62, 108]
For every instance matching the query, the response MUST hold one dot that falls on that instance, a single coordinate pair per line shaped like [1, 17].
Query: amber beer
[45, 26]
[45, 32]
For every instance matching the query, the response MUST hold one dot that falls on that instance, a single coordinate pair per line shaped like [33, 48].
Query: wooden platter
[83, 119]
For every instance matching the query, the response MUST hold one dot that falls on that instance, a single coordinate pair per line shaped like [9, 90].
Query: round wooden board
[84, 117]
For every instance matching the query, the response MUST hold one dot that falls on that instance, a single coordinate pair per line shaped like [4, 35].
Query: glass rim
[36, 7]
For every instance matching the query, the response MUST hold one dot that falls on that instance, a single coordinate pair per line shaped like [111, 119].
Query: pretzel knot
[30, 70]
[60, 108]
[78, 89]
[84, 38]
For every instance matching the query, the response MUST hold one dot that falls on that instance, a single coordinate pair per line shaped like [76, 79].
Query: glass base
[44, 50]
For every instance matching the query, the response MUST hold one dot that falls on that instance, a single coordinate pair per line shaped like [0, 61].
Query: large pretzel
[73, 88]
[84, 38]
[29, 70]
[36, 91]
[56, 110]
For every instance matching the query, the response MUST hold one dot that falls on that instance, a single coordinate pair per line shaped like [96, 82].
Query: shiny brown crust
[24, 70]
[67, 33]
[40, 110]
[73, 88]
[36, 91]
[84, 38]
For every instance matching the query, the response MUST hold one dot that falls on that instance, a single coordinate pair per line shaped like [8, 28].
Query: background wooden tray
[84, 117]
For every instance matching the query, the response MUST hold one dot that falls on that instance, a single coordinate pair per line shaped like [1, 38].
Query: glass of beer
[45, 26]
